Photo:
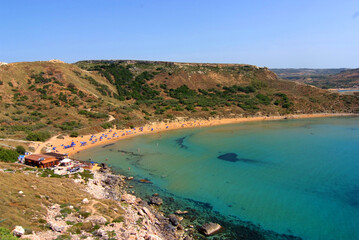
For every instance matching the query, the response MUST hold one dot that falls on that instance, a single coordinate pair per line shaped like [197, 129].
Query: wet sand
[111, 135]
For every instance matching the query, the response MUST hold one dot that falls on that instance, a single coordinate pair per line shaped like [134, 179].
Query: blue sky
[282, 33]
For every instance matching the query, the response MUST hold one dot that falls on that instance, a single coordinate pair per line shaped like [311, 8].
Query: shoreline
[111, 136]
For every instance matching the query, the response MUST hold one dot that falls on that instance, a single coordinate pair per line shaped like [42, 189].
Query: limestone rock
[18, 231]
[111, 180]
[149, 214]
[57, 226]
[179, 212]
[156, 200]
[128, 198]
[97, 220]
[173, 219]
[152, 237]
[101, 233]
[210, 228]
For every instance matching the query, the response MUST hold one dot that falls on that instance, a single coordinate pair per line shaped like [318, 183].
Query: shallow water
[297, 177]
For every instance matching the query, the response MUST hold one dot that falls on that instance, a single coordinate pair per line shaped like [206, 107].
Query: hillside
[346, 79]
[323, 78]
[53, 97]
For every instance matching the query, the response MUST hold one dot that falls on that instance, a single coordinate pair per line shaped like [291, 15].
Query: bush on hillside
[5, 234]
[20, 149]
[38, 136]
[8, 155]
[107, 125]
[74, 134]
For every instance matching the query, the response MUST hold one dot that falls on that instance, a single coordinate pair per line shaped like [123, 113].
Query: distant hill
[323, 78]
[91, 95]
[346, 79]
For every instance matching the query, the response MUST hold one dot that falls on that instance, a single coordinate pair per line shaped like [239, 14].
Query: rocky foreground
[128, 217]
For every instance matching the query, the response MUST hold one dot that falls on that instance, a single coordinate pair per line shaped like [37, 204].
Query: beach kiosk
[41, 160]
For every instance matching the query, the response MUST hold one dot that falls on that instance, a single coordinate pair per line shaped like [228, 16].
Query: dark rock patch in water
[108, 145]
[352, 197]
[130, 153]
[233, 157]
[180, 141]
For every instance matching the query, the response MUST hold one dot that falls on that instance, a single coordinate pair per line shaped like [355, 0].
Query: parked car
[75, 169]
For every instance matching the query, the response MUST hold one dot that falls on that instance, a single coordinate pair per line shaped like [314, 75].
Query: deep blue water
[297, 177]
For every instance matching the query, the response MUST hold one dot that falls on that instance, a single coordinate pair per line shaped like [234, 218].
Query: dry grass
[28, 208]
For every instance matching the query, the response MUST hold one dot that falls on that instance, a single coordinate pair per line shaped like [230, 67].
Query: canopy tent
[66, 160]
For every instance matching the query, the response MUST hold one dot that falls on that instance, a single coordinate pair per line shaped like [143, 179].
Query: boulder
[210, 228]
[87, 226]
[57, 226]
[179, 212]
[156, 200]
[111, 180]
[102, 234]
[128, 198]
[152, 237]
[173, 219]
[85, 201]
[18, 231]
[97, 220]
[149, 214]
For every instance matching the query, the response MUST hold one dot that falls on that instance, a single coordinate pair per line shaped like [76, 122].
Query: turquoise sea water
[298, 177]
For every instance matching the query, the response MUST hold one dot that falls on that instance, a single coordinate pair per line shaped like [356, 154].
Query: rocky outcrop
[128, 198]
[58, 226]
[156, 200]
[18, 231]
[173, 219]
[152, 237]
[210, 228]
[97, 220]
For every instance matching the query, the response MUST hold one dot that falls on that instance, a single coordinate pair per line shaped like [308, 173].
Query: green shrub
[263, 99]
[5, 234]
[8, 155]
[118, 219]
[38, 136]
[64, 237]
[20, 149]
[84, 214]
[93, 114]
[107, 125]
[74, 134]
[69, 126]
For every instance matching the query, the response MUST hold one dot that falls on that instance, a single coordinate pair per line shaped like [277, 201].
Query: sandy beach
[71, 145]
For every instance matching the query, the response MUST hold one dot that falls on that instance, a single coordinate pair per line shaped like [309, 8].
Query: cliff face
[82, 97]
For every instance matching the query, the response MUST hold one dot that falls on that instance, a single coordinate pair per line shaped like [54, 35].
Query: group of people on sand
[71, 145]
